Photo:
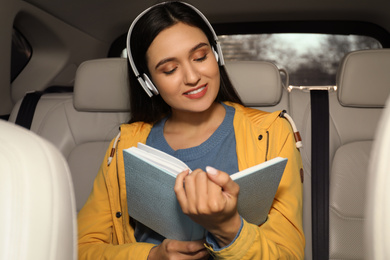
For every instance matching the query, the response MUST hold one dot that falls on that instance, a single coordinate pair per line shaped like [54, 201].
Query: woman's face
[184, 69]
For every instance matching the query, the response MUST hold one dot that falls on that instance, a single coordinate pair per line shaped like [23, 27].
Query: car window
[20, 53]
[310, 59]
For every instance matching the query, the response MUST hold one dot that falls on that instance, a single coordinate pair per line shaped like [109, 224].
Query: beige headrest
[363, 78]
[257, 82]
[102, 85]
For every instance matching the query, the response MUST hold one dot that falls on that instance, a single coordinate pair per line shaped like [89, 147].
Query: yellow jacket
[103, 223]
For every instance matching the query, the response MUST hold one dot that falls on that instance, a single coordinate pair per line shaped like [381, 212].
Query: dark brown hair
[157, 19]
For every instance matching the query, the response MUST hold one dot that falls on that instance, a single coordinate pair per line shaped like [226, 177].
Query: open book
[150, 178]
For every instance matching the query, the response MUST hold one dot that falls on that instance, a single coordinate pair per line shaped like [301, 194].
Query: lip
[198, 94]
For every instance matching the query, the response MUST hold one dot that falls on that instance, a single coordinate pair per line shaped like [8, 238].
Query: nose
[191, 75]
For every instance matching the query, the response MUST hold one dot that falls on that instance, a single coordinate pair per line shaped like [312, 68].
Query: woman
[198, 118]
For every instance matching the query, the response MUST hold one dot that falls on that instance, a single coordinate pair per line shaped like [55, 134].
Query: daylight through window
[310, 59]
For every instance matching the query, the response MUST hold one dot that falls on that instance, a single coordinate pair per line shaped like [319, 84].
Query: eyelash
[169, 72]
[202, 58]
[198, 60]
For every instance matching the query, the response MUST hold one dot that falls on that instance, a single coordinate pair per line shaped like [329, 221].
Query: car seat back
[362, 82]
[377, 227]
[38, 210]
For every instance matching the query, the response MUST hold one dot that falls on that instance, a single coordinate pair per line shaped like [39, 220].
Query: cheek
[210, 70]
[167, 85]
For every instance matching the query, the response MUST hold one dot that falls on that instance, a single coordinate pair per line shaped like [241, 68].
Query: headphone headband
[144, 80]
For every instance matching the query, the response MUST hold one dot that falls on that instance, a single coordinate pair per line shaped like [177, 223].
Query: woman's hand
[174, 249]
[210, 199]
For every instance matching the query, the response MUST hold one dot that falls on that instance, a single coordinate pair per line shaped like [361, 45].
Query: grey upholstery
[353, 122]
[82, 137]
[354, 116]
[102, 86]
[377, 227]
[81, 125]
[253, 79]
[300, 110]
[38, 210]
[364, 77]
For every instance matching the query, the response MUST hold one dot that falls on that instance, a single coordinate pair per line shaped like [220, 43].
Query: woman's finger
[180, 190]
[223, 180]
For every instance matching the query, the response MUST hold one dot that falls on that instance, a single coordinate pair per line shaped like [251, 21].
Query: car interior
[64, 93]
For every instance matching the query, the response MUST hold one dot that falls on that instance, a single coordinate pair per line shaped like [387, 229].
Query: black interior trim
[4, 117]
[319, 100]
[30, 101]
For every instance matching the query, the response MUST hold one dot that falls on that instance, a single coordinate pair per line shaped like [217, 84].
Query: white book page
[161, 159]
[152, 159]
[249, 170]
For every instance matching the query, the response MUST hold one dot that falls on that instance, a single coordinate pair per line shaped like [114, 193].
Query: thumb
[223, 180]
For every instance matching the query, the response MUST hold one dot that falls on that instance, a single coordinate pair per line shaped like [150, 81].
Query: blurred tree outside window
[310, 59]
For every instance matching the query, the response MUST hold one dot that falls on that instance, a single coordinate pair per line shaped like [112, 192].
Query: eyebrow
[196, 47]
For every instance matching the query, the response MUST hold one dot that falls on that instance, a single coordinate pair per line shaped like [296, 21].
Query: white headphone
[143, 79]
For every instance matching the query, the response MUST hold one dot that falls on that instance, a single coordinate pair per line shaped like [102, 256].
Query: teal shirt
[219, 151]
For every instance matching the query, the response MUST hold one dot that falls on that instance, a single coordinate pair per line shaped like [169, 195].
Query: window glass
[20, 53]
[310, 59]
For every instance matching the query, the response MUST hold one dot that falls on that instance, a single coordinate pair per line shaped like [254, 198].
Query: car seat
[377, 227]
[363, 88]
[38, 210]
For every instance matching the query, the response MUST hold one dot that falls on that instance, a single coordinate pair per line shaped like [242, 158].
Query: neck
[214, 113]
[186, 129]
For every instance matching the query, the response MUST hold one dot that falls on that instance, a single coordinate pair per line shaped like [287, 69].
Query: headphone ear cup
[216, 55]
[150, 84]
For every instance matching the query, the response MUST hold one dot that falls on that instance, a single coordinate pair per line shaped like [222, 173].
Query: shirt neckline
[196, 152]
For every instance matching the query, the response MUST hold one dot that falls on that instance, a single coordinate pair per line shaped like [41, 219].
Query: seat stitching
[345, 217]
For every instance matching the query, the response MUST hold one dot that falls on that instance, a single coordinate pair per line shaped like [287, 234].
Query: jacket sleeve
[97, 236]
[281, 236]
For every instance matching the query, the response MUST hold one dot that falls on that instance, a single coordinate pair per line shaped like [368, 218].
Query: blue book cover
[150, 178]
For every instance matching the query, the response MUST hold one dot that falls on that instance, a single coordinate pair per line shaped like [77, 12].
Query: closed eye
[170, 71]
[201, 58]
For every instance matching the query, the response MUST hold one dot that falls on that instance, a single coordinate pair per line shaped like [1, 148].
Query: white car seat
[38, 210]
[81, 125]
[354, 112]
[363, 87]
[377, 228]
[259, 84]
